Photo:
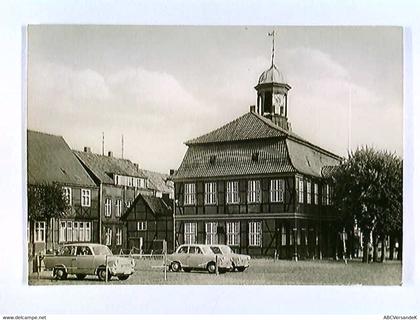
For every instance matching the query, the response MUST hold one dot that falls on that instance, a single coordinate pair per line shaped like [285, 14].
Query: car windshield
[183, 250]
[102, 250]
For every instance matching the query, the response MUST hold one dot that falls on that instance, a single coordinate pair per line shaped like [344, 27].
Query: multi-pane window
[210, 193]
[141, 225]
[315, 193]
[277, 190]
[232, 192]
[39, 231]
[67, 194]
[74, 231]
[292, 236]
[189, 193]
[254, 191]
[141, 183]
[232, 233]
[118, 207]
[87, 231]
[326, 195]
[118, 236]
[190, 232]
[298, 236]
[211, 232]
[304, 234]
[308, 192]
[329, 195]
[255, 234]
[69, 231]
[85, 195]
[81, 232]
[283, 235]
[300, 190]
[108, 207]
[108, 236]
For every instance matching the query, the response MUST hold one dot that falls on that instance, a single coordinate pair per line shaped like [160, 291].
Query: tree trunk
[400, 247]
[383, 251]
[375, 248]
[365, 246]
[391, 247]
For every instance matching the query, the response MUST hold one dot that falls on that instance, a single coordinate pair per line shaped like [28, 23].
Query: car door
[70, 259]
[181, 255]
[84, 260]
[195, 257]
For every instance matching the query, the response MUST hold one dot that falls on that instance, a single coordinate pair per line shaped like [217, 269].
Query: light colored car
[197, 256]
[83, 259]
[239, 262]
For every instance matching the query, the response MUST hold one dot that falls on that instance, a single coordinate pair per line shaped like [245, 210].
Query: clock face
[279, 103]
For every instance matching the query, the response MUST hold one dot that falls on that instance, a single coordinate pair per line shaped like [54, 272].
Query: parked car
[82, 259]
[240, 262]
[195, 257]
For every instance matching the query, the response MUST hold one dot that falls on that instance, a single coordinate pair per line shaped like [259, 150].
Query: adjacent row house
[99, 190]
[120, 181]
[51, 161]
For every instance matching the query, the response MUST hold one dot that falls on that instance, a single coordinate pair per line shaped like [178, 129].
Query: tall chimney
[110, 154]
[87, 149]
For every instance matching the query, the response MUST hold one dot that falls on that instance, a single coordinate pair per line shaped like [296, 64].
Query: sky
[160, 86]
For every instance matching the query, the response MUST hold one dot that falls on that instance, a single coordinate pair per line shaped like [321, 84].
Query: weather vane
[272, 34]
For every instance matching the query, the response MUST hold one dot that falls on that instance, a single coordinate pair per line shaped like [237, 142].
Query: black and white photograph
[197, 159]
[214, 155]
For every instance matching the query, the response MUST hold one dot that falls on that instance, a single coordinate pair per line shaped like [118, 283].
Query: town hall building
[256, 186]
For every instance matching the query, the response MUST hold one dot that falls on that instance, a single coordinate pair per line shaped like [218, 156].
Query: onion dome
[272, 75]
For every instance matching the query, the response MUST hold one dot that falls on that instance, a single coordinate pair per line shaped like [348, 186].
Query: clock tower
[272, 92]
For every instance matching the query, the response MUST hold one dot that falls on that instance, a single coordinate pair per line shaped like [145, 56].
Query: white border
[17, 297]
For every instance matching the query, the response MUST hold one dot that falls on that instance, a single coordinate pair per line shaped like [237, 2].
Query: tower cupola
[272, 91]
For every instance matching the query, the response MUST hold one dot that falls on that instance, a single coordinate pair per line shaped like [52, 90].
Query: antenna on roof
[103, 143]
[272, 34]
[122, 146]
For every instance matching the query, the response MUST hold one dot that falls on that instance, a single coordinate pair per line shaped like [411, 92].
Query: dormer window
[255, 156]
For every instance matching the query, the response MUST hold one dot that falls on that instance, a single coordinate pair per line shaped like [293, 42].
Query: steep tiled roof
[50, 160]
[229, 150]
[328, 171]
[235, 158]
[157, 205]
[247, 127]
[104, 166]
[159, 181]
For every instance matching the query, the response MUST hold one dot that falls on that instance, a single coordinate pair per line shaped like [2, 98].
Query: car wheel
[123, 277]
[241, 269]
[60, 274]
[102, 274]
[187, 269]
[80, 276]
[211, 267]
[175, 266]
